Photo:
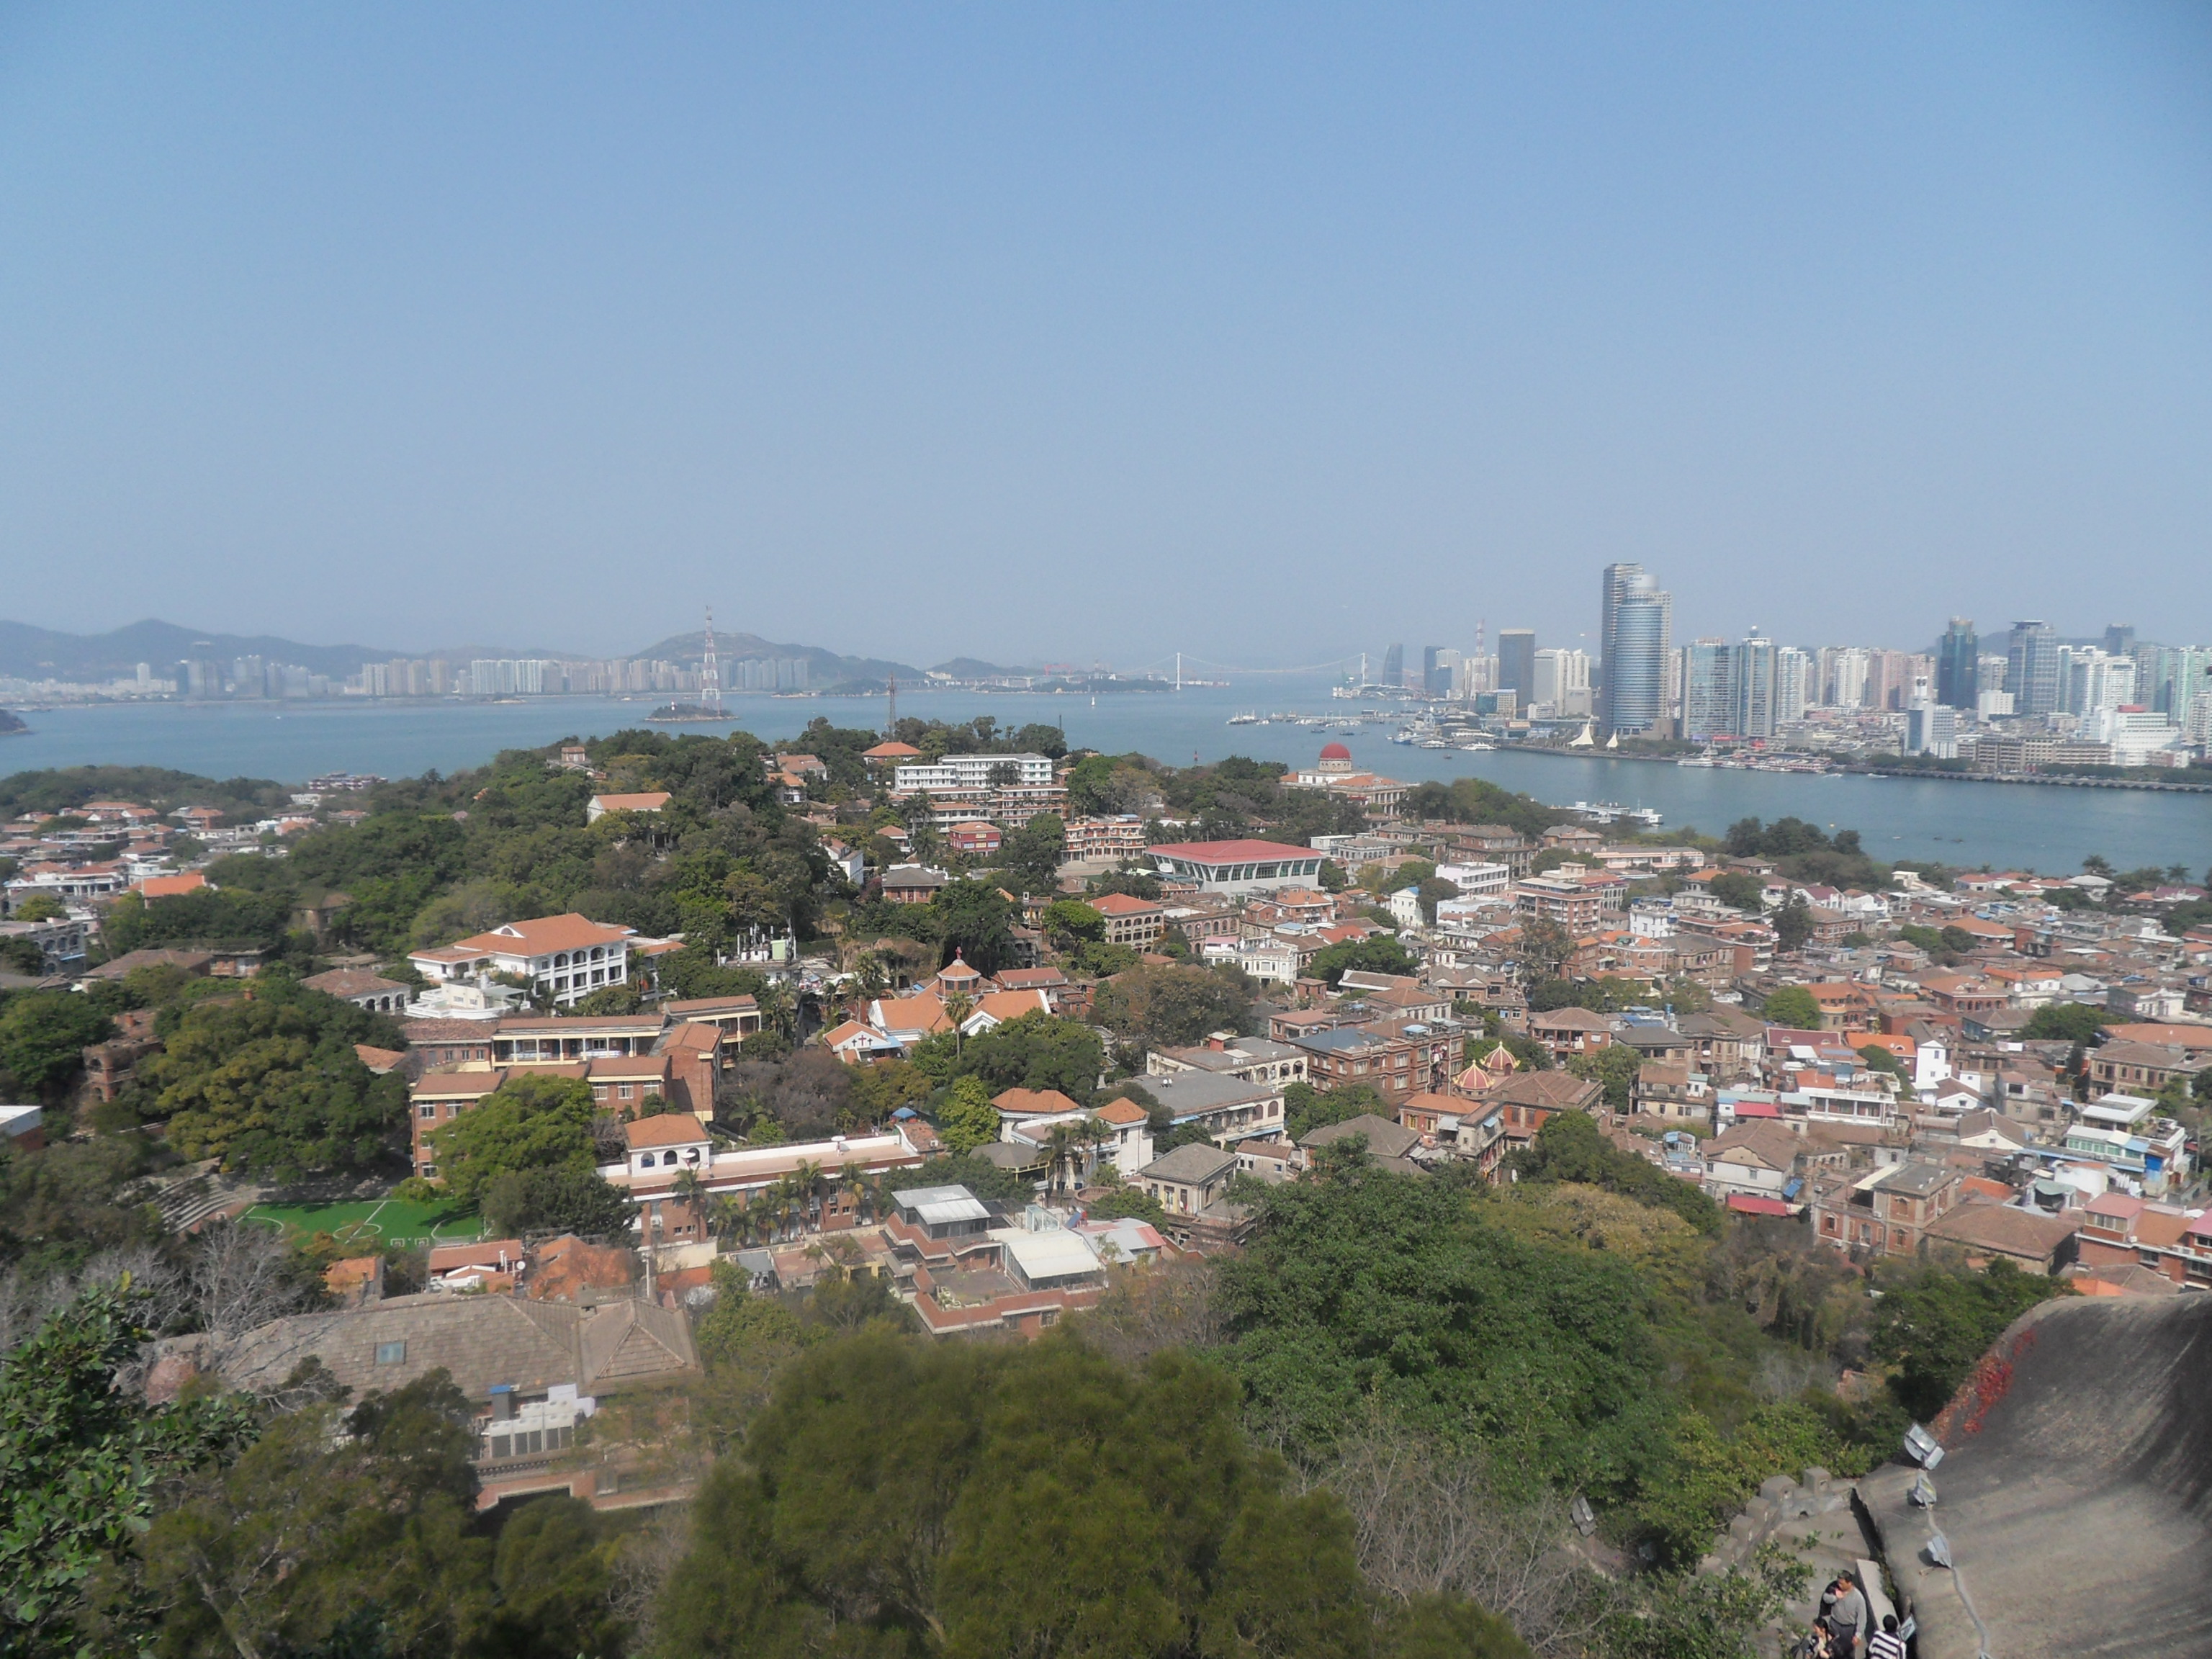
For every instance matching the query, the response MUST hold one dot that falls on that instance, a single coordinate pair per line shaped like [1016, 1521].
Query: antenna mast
[710, 673]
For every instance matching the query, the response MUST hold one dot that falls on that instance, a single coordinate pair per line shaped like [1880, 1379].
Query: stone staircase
[188, 1201]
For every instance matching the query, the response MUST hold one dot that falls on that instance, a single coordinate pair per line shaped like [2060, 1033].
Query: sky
[1266, 334]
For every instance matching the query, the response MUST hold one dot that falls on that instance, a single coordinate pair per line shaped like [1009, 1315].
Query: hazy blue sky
[1055, 333]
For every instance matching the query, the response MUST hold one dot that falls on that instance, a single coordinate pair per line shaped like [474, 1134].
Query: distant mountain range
[38, 654]
[44, 653]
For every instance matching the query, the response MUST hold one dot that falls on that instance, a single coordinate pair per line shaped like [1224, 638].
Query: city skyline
[378, 327]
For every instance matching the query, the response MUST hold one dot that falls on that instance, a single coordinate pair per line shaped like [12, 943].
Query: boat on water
[1244, 720]
[1434, 742]
[1649, 816]
[1697, 760]
[1477, 747]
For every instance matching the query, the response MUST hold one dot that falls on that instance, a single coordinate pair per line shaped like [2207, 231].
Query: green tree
[531, 1122]
[1365, 1290]
[1879, 1059]
[85, 1461]
[1070, 922]
[1615, 1067]
[1793, 925]
[1306, 1109]
[975, 921]
[1570, 1148]
[1741, 892]
[1031, 854]
[1169, 1007]
[269, 1081]
[1935, 1324]
[967, 1120]
[562, 1199]
[1368, 955]
[1036, 1051]
[357, 1526]
[978, 1501]
[41, 907]
[43, 1034]
[1792, 1007]
[2067, 1022]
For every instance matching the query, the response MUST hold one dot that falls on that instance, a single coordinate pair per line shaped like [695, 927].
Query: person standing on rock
[1848, 1617]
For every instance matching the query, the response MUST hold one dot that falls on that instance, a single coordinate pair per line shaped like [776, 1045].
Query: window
[426, 1111]
[502, 1445]
[391, 1353]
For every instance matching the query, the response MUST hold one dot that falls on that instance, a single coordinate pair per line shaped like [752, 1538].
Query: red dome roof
[1334, 751]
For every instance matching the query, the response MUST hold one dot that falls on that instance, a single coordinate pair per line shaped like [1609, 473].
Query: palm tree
[1062, 1149]
[684, 1189]
[957, 1007]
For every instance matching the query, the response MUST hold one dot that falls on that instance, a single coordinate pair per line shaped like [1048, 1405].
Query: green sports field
[374, 1222]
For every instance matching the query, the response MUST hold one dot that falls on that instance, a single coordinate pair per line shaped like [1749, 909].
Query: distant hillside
[975, 668]
[41, 654]
[823, 668]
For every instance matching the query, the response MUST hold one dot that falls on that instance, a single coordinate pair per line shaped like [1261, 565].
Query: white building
[568, 957]
[973, 772]
[1473, 880]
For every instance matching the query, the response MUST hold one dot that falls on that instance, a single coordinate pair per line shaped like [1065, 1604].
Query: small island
[11, 724]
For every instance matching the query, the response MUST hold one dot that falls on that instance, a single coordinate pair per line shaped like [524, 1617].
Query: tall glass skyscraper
[1708, 689]
[2032, 669]
[1638, 619]
[1516, 663]
[1958, 664]
[1755, 687]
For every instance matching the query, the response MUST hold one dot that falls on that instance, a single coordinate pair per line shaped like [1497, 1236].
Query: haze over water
[2050, 829]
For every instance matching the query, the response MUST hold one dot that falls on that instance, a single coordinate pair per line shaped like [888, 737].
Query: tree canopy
[267, 1079]
[983, 1501]
[531, 1122]
[1792, 1007]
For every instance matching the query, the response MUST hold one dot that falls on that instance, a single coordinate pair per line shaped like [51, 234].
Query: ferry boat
[1244, 720]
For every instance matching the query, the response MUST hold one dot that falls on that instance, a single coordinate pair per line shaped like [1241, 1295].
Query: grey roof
[1187, 1094]
[937, 1204]
[1384, 1137]
[1192, 1165]
[1340, 1040]
[479, 1340]
[1244, 1051]
[1919, 1179]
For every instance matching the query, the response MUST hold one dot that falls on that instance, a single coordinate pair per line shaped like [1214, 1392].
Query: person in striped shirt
[1886, 1643]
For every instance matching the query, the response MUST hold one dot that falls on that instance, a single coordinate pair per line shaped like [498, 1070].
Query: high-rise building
[1958, 664]
[1932, 728]
[1708, 688]
[1615, 584]
[1793, 683]
[1437, 671]
[1393, 666]
[2032, 669]
[1637, 627]
[2119, 639]
[1517, 662]
[1843, 675]
[1753, 685]
[1563, 682]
